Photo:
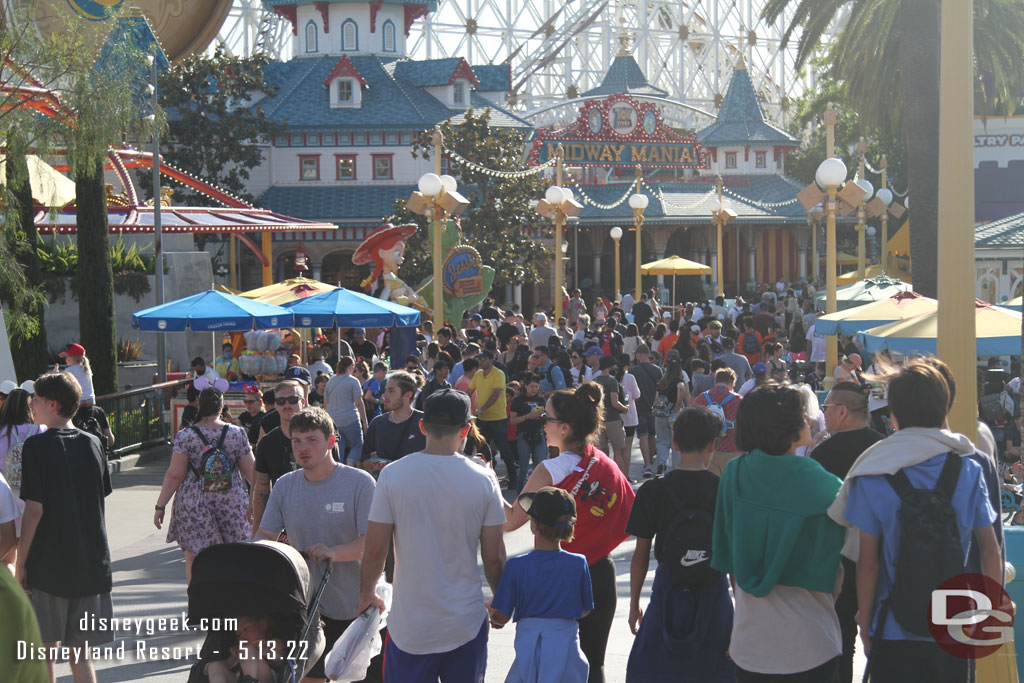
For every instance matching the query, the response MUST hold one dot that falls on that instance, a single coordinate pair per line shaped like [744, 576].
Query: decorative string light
[586, 199]
[878, 172]
[473, 166]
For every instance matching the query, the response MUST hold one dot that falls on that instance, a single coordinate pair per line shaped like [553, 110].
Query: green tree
[500, 216]
[887, 58]
[209, 135]
[28, 349]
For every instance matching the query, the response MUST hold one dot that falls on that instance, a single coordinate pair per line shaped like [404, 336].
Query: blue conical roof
[741, 119]
[626, 77]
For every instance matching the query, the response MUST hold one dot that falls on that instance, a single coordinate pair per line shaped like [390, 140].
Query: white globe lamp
[870, 231]
[831, 173]
[616, 233]
[714, 206]
[555, 195]
[430, 184]
[885, 196]
[449, 183]
[638, 201]
[869, 189]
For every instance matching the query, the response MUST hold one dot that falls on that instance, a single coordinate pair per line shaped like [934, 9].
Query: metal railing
[136, 415]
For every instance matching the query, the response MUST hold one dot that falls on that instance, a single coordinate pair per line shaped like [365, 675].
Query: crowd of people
[775, 518]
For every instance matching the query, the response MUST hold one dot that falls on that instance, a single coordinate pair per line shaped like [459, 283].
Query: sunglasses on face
[545, 418]
[290, 400]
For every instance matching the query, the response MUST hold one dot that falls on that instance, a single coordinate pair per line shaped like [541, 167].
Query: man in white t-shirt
[627, 303]
[439, 507]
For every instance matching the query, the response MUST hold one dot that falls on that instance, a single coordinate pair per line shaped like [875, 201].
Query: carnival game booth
[342, 307]
[214, 312]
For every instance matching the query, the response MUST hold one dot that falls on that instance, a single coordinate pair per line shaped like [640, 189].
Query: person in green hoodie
[773, 536]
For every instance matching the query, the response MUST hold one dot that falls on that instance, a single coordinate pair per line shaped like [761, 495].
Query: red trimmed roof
[464, 70]
[344, 68]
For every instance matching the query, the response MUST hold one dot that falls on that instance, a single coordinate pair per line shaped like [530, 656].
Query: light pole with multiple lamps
[869, 190]
[558, 205]
[721, 212]
[616, 234]
[638, 202]
[436, 198]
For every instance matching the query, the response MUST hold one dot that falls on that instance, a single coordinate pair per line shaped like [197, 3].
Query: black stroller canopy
[247, 579]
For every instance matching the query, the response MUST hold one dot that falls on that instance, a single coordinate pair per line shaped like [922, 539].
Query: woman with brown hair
[604, 498]
[209, 461]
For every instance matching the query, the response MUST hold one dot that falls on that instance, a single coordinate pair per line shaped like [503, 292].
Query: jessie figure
[385, 248]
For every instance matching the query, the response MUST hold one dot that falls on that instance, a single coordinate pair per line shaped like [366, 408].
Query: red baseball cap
[73, 350]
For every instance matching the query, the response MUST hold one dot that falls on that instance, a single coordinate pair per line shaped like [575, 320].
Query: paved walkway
[149, 584]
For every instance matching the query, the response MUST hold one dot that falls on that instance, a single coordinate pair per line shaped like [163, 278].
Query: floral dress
[198, 519]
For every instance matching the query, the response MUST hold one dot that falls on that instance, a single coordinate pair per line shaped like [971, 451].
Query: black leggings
[595, 627]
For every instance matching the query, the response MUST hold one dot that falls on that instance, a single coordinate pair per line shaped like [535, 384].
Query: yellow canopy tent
[900, 306]
[50, 188]
[286, 291]
[674, 265]
[1015, 304]
[997, 330]
[874, 271]
[844, 259]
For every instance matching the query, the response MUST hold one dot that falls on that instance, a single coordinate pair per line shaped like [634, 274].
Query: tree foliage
[209, 134]
[501, 215]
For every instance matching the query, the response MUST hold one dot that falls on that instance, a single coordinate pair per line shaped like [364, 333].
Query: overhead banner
[619, 131]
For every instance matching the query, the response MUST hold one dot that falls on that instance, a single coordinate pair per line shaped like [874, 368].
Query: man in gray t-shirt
[736, 362]
[325, 507]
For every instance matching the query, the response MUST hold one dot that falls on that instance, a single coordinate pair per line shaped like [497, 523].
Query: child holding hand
[545, 591]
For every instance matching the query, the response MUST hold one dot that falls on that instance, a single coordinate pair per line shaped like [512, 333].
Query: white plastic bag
[350, 657]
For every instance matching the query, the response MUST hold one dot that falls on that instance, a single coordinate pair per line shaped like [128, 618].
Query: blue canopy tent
[212, 311]
[344, 308]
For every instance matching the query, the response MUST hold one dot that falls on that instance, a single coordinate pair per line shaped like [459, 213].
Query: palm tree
[887, 55]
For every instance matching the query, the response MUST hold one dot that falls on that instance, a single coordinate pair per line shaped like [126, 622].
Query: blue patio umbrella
[344, 308]
[212, 311]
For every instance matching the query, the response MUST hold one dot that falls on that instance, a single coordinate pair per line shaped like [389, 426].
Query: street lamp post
[720, 214]
[638, 202]
[616, 234]
[831, 175]
[814, 217]
[437, 197]
[885, 196]
[558, 205]
[869, 190]
[158, 248]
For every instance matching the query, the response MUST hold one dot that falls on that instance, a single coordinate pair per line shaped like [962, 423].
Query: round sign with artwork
[595, 121]
[622, 118]
[95, 10]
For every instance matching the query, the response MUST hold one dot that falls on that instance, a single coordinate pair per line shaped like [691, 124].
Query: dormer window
[346, 91]
[459, 93]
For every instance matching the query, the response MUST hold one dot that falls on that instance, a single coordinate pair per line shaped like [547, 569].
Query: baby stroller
[257, 579]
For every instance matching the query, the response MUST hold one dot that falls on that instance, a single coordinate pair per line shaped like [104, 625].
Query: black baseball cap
[487, 353]
[299, 374]
[550, 506]
[608, 362]
[447, 407]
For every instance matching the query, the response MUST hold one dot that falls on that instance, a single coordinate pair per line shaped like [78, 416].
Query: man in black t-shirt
[525, 413]
[648, 376]
[361, 347]
[657, 502]
[846, 419]
[64, 559]
[507, 329]
[642, 311]
[444, 341]
[396, 433]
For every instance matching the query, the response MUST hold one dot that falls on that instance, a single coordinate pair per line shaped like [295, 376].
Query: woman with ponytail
[604, 498]
[78, 366]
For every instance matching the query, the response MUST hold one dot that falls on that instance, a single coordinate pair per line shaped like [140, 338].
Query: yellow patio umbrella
[224, 288]
[900, 306]
[1012, 303]
[874, 271]
[294, 289]
[844, 259]
[50, 187]
[674, 265]
[997, 330]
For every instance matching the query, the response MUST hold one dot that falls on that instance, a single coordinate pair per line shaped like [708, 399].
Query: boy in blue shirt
[546, 591]
[919, 401]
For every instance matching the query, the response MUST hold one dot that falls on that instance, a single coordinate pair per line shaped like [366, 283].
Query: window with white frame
[346, 91]
[349, 36]
[389, 36]
[459, 92]
[311, 36]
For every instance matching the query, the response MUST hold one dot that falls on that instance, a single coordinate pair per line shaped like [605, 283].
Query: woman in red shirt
[604, 499]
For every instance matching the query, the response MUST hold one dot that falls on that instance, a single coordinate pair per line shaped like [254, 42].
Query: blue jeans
[350, 443]
[465, 663]
[667, 455]
[538, 452]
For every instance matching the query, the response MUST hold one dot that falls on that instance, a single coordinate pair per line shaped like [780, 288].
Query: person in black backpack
[684, 634]
[917, 499]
